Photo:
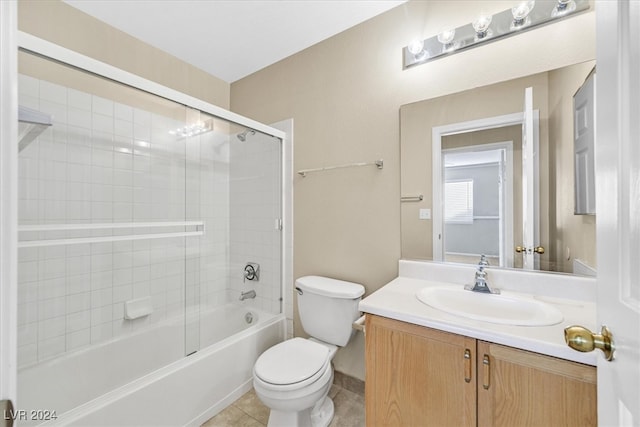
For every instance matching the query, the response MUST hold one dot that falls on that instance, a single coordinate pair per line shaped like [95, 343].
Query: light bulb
[521, 11]
[446, 36]
[563, 7]
[481, 25]
[415, 47]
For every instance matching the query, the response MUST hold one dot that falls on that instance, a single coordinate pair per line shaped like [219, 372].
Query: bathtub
[187, 391]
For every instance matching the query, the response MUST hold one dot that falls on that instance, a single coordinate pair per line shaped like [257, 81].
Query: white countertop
[397, 300]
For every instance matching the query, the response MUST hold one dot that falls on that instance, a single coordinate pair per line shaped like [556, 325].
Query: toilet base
[320, 415]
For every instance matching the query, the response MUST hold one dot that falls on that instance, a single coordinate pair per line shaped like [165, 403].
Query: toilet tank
[328, 308]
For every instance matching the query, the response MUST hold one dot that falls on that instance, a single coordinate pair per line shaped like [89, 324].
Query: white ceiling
[233, 38]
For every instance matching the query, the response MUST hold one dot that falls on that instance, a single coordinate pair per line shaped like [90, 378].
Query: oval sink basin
[503, 309]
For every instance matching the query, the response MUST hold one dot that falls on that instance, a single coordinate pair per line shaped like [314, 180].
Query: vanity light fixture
[521, 14]
[563, 7]
[446, 36]
[487, 28]
[481, 26]
[446, 39]
[416, 48]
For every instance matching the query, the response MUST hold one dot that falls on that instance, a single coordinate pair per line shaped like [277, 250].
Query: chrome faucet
[481, 284]
[246, 295]
[483, 260]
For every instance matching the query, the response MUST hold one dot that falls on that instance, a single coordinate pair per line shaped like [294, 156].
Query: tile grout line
[246, 413]
[335, 388]
[250, 416]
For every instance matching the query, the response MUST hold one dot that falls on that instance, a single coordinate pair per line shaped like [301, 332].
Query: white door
[584, 151]
[618, 208]
[502, 196]
[8, 210]
[530, 196]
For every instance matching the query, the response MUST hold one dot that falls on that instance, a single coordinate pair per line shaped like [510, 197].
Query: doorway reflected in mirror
[568, 239]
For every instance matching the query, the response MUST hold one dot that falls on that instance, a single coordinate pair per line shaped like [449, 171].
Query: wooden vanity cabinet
[417, 376]
[521, 388]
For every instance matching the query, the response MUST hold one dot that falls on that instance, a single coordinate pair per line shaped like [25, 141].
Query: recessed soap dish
[137, 308]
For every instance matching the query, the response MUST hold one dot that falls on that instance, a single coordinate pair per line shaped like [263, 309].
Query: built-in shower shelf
[198, 230]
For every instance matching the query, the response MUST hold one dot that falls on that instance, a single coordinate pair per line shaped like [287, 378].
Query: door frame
[8, 197]
[438, 171]
[506, 194]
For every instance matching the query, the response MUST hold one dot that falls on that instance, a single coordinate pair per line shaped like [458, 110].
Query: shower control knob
[252, 271]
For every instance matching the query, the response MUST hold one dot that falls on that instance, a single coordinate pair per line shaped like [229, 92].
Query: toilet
[293, 378]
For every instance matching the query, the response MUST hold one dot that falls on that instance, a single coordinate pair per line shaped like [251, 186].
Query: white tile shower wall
[207, 194]
[104, 161]
[255, 206]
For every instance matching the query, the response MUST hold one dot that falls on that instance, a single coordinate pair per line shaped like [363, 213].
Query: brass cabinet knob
[538, 250]
[520, 249]
[582, 339]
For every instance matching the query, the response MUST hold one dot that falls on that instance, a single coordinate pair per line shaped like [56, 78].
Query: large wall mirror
[492, 183]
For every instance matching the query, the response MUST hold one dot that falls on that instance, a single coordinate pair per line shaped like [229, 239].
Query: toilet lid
[292, 361]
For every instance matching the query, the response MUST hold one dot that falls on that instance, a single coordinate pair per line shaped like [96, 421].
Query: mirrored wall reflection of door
[488, 229]
[530, 248]
[478, 201]
[488, 153]
[484, 229]
[567, 239]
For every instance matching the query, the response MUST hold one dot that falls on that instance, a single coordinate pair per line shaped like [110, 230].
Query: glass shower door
[103, 236]
[255, 219]
[236, 190]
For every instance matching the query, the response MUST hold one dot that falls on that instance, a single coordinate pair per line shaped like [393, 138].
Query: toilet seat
[292, 364]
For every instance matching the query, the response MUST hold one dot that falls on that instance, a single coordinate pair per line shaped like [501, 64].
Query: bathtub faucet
[249, 294]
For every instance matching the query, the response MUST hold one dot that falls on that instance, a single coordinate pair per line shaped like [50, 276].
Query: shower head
[242, 136]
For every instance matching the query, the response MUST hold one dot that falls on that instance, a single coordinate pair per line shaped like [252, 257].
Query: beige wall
[344, 95]
[45, 69]
[66, 26]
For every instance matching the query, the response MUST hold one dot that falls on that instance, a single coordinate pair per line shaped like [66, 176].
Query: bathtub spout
[249, 294]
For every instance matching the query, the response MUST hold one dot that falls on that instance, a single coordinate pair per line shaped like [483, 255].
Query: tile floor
[248, 411]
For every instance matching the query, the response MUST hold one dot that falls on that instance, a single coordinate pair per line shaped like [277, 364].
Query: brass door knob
[537, 249]
[582, 339]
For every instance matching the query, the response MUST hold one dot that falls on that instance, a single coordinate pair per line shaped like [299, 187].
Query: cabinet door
[520, 388]
[417, 376]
